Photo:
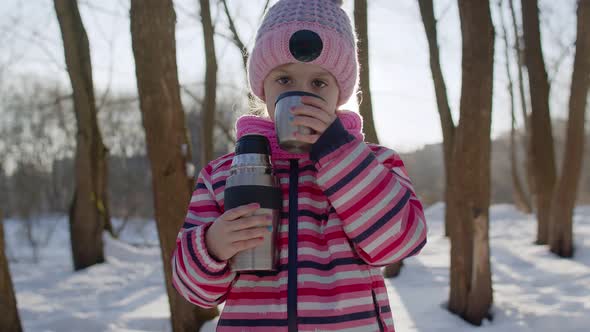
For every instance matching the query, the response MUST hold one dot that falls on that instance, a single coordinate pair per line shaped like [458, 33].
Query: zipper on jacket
[292, 258]
[377, 310]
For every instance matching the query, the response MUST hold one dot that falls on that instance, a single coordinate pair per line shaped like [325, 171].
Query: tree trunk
[564, 198]
[9, 320]
[364, 98]
[520, 199]
[542, 137]
[528, 147]
[154, 50]
[209, 104]
[440, 89]
[393, 270]
[89, 213]
[471, 286]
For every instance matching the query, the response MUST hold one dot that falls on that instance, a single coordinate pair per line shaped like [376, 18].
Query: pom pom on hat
[306, 31]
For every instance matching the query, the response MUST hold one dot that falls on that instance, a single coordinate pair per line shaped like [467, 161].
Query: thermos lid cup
[253, 143]
[295, 93]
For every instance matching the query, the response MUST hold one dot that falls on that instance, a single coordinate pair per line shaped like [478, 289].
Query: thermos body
[251, 180]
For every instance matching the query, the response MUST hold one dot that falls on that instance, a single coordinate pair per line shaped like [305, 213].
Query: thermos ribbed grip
[267, 197]
[253, 143]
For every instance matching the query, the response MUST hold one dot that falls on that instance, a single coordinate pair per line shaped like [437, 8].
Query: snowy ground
[533, 290]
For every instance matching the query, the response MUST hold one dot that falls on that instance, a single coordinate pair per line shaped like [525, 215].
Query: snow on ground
[533, 289]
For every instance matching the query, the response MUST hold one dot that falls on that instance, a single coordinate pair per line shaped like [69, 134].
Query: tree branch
[565, 53]
[236, 37]
[264, 10]
[226, 131]
[191, 94]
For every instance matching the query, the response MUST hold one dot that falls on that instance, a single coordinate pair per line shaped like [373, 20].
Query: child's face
[300, 77]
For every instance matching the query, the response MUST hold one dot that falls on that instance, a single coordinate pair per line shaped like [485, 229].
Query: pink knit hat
[306, 31]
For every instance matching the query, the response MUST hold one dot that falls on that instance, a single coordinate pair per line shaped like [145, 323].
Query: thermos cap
[296, 93]
[253, 143]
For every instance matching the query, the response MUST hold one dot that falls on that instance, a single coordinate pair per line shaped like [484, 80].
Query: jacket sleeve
[197, 276]
[370, 191]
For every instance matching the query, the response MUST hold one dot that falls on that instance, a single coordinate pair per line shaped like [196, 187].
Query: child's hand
[235, 231]
[313, 114]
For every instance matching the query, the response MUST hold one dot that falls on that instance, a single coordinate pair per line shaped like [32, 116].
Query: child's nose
[303, 86]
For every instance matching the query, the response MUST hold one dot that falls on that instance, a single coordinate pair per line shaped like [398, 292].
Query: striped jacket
[348, 209]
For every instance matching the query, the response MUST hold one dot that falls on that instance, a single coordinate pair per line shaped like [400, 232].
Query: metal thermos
[284, 122]
[251, 180]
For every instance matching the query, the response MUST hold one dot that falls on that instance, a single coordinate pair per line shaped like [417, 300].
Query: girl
[348, 207]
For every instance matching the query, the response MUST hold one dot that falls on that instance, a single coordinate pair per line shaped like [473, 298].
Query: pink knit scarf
[252, 124]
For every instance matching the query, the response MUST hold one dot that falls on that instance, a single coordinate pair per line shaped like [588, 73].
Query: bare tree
[541, 135]
[129, 179]
[564, 197]
[31, 139]
[89, 212]
[471, 285]
[528, 146]
[9, 320]
[154, 50]
[520, 198]
[30, 148]
[440, 89]
[364, 98]
[235, 37]
[61, 187]
[209, 104]
[27, 180]
[238, 41]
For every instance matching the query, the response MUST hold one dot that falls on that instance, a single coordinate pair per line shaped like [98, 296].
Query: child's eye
[319, 83]
[283, 80]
